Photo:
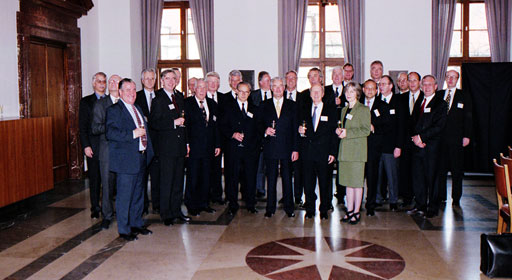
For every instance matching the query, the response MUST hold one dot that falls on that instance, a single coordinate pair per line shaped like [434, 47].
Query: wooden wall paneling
[8, 179]
[38, 86]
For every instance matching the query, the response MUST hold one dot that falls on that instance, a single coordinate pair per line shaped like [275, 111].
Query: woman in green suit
[352, 155]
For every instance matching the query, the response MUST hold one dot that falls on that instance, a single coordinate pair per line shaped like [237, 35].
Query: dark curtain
[490, 87]
[202, 17]
[151, 22]
[352, 28]
[443, 19]
[292, 21]
[498, 23]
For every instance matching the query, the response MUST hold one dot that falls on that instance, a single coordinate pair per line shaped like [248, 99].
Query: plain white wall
[398, 33]
[9, 96]
[245, 37]
[90, 47]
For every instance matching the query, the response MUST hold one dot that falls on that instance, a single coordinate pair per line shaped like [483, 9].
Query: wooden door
[48, 98]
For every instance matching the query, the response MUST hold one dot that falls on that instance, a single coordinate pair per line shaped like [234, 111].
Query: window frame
[183, 63]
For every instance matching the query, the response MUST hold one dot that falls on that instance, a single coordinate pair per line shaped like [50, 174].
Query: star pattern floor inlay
[324, 258]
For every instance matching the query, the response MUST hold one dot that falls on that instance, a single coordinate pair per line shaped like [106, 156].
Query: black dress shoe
[431, 214]
[291, 214]
[260, 194]
[208, 210]
[301, 205]
[331, 208]
[95, 214]
[370, 212]
[141, 230]
[324, 216]
[105, 224]
[128, 237]
[252, 210]
[280, 201]
[456, 203]
[193, 212]
[309, 215]
[145, 211]
[156, 210]
[169, 222]
[393, 207]
[184, 218]
[268, 215]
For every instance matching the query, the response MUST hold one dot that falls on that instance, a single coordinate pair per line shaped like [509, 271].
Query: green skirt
[351, 174]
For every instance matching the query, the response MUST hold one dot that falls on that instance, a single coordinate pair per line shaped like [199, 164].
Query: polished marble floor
[52, 236]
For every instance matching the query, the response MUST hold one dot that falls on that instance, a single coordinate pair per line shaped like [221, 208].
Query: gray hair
[151, 70]
[235, 73]
[212, 74]
[98, 74]
[337, 68]
[277, 79]
[429, 76]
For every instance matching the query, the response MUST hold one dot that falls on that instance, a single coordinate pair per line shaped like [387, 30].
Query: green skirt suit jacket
[352, 153]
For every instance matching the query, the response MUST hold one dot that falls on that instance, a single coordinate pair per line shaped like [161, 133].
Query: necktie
[203, 111]
[384, 99]
[173, 100]
[243, 109]
[314, 116]
[337, 92]
[265, 97]
[143, 138]
[290, 95]
[278, 108]
[411, 103]
[422, 106]
[151, 96]
[449, 98]
[368, 103]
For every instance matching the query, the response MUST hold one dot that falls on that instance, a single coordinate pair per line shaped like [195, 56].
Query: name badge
[349, 116]
[146, 118]
[392, 111]
[426, 110]
[323, 118]
[460, 105]
[346, 103]
[376, 111]
[250, 115]
[171, 107]
[214, 118]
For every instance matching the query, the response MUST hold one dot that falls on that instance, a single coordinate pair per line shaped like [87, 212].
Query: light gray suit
[108, 178]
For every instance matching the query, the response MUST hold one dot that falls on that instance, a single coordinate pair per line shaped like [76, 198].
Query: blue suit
[129, 163]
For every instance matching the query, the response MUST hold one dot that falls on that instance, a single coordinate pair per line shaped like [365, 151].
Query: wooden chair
[502, 180]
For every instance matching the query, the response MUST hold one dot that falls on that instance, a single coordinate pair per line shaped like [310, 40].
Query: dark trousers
[171, 186]
[271, 166]
[93, 172]
[426, 194]
[298, 179]
[260, 175]
[129, 202]
[154, 171]
[198, 183]
[216, 178]
[451, 159]
[314, 170]
[108, 183]
[371, 170]
[405, 187]
[388, 166]
[243, 171]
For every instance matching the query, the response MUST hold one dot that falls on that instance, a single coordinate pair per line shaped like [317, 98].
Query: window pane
[477, 17]
[328, 75]
[458, 17]
[170, 47]
[192, 49]
[333, 47]
[313, 19]
[310, 45]
[479, 44]
[332, 19]
[456, 47]
[195, 72]
[170, 21]
[302, 78]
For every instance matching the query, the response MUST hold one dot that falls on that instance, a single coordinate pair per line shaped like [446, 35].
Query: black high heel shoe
[357, 217]
[347, 216]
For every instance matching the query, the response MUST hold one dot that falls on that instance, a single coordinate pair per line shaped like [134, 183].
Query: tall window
[178, 46]
[470, 42]
[322, 45]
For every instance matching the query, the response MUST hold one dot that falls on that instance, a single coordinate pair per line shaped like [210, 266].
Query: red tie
[367, 103]
[143, 138]
[422, 106]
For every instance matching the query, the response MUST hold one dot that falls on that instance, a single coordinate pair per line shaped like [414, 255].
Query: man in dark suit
[258, 96]
[455, 137]
[108, 178]
[204, 144]
[402, 83]
[318, 150]
[315, 77]
[235, 77]
[380, 125]
[90, 142]
[376, 71]
[167, 119]
[392, 143]
[192, 83]
[409, 99]
[144, 99]
[280, 146]
[334, 92]
[239, 125]
[426, 126]
[130, 152]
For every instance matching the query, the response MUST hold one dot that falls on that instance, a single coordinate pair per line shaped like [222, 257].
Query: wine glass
[304, 127]
[241, 145]
[182, 115]
[273, 127]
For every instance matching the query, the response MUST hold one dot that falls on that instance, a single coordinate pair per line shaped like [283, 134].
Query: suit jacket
[142, 102]
[408, 117]
[429, 124]
[171, 139]
[383, 125]
[85, 115]
[320, 144]
[286, 138]
[203, 137]
[235, 121]
[124, 155]
[256, 96]
[354, 146]
[395, 135]
[459, 122]
[99, 125]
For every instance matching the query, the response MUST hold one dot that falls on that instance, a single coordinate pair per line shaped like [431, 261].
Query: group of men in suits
[259, 131]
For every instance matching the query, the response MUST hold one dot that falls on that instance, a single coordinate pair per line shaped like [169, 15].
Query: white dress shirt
[205, 105]
[452, 93]
[134, 118]
[149, 99]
